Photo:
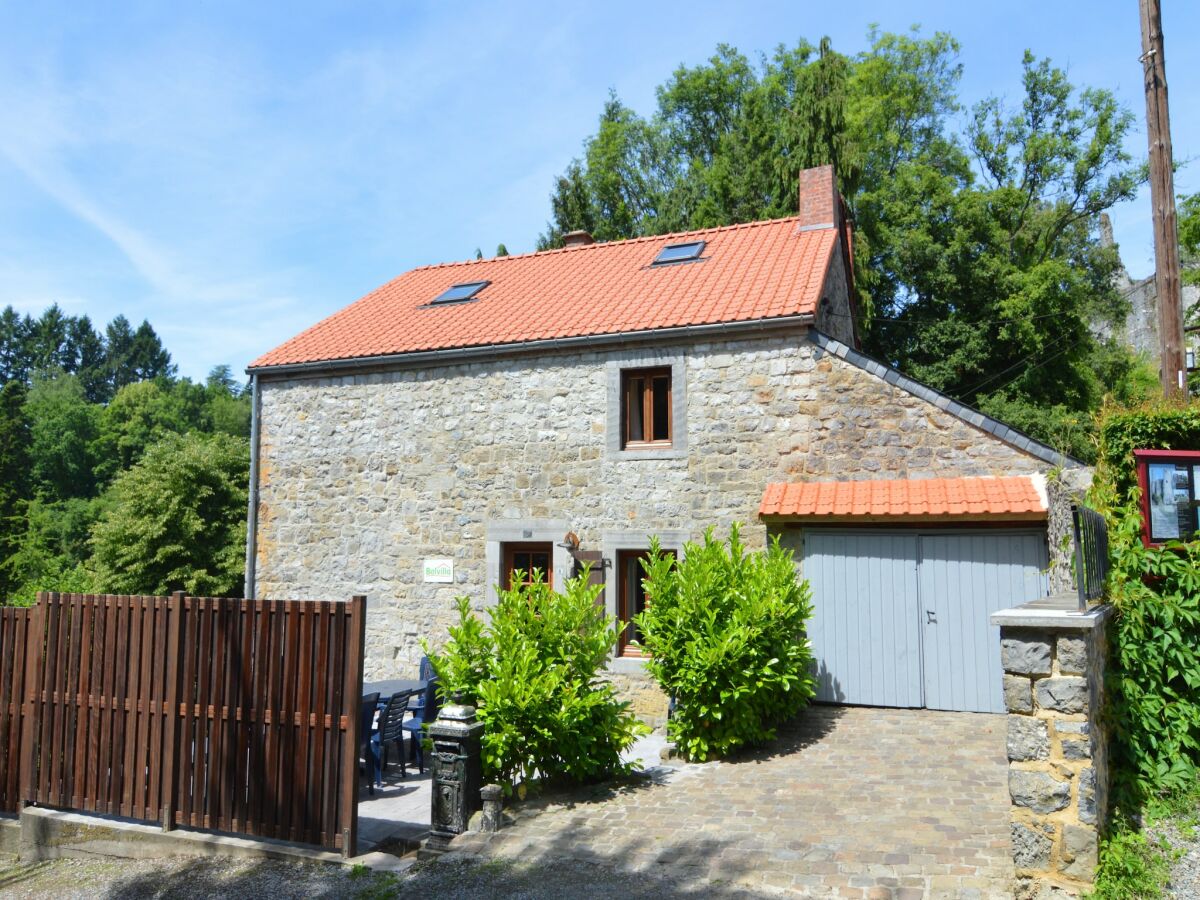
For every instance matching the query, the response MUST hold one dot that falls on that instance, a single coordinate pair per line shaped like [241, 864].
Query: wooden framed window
[631, 599]
[526, 558]
[1170, 483]
[646, 408]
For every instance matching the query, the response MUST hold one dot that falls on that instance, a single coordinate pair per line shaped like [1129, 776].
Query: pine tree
[14, 480]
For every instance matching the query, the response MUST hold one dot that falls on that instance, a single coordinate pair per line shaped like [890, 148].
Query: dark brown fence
[233, 715]
[14, 624]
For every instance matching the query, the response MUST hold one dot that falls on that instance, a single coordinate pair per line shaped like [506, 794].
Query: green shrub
[534, 674]
[725, 630]
[1132, 866]
[1154, 671]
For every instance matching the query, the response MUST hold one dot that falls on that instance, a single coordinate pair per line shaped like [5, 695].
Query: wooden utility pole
[1162, 199]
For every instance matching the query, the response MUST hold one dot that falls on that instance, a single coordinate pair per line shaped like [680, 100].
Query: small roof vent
[676, 253]
[577, 239]
[457, 293]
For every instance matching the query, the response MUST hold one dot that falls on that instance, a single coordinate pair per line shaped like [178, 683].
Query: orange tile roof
[759, 270]
[1012, 496]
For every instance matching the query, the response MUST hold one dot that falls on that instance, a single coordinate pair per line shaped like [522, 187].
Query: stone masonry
[363, 476]
[1057, 747]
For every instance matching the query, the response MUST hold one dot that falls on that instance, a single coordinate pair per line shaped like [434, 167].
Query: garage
[901, 618]
[904, 578]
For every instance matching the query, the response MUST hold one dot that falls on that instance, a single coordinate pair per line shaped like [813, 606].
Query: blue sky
[235, 171]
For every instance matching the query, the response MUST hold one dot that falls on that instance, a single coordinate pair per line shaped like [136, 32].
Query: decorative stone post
[1054, 659]
[457, 773]
[493, 807]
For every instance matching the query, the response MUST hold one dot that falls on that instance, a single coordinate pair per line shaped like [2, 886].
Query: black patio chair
[425, 674]
[366, 719]
[390, 731]
[426, 714]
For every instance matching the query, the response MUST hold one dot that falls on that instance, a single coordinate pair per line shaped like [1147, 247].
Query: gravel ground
[185, 879]
[1184, 840]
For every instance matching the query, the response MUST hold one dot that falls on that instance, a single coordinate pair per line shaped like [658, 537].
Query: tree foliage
[14, 478]
[1154, 676]
[78, 410]
[177, 519]
[1189, 237]
[977, 257]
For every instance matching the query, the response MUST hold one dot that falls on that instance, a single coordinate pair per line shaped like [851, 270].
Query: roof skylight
[673, 253]
[459, 292]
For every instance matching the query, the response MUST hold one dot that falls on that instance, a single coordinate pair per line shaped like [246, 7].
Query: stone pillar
[1054, 661]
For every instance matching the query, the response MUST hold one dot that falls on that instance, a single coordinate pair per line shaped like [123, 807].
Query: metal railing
[1091, 554]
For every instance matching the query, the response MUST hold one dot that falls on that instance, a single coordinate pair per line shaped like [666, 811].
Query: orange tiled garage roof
[759, 270]
[1011, 497]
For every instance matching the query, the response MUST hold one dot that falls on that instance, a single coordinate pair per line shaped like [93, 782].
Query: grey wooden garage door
[901, 618]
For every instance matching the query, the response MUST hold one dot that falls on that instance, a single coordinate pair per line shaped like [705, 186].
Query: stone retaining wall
[1057, 748]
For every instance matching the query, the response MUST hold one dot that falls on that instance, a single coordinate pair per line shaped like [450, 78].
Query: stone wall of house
[1057, 750]
[364, 476]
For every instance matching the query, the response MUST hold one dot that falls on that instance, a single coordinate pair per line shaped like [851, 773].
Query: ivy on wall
[1154, 671]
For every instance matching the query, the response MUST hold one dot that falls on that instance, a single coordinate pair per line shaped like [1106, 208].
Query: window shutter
[596, 575]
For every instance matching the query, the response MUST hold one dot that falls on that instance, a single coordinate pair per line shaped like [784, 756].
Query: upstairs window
[1170, 483]
[646, 408]
[675, 253]
[459, 292]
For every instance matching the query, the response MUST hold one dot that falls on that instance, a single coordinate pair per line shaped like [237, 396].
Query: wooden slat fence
[14, 625]
[225, 714]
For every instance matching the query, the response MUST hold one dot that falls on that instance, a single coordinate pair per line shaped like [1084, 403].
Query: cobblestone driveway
[848, 802]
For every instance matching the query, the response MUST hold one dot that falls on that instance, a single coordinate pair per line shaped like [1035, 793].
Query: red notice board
[1170, 483]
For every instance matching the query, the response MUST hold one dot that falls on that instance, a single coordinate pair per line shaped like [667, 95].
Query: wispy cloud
[233, 172]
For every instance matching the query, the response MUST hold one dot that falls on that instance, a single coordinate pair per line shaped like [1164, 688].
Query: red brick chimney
[820, 205]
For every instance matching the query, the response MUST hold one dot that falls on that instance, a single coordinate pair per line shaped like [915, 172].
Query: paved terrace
[848, 802]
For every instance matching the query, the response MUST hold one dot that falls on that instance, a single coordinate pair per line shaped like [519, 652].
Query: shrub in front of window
[533, 671]
[725, 630]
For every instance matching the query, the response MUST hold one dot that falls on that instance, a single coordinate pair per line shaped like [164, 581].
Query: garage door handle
[930, 617]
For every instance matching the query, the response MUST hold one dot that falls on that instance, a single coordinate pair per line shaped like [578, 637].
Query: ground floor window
[526, 558]
[631, 599]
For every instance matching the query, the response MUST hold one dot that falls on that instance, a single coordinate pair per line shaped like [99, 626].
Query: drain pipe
[252, 510]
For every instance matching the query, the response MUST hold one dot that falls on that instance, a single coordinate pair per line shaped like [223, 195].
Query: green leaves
[725, 630]
[1154, 672]
[535, 673]
[177, 520]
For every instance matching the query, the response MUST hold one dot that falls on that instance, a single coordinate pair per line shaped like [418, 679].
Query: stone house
[470, 420]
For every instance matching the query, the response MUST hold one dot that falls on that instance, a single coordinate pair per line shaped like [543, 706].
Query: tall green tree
[976, 252]
[135, 355]
[140, 414]
[1189, 237]
[15, 487]
[998, 269]
[177, 519]
[15, 362]
[63, 428]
